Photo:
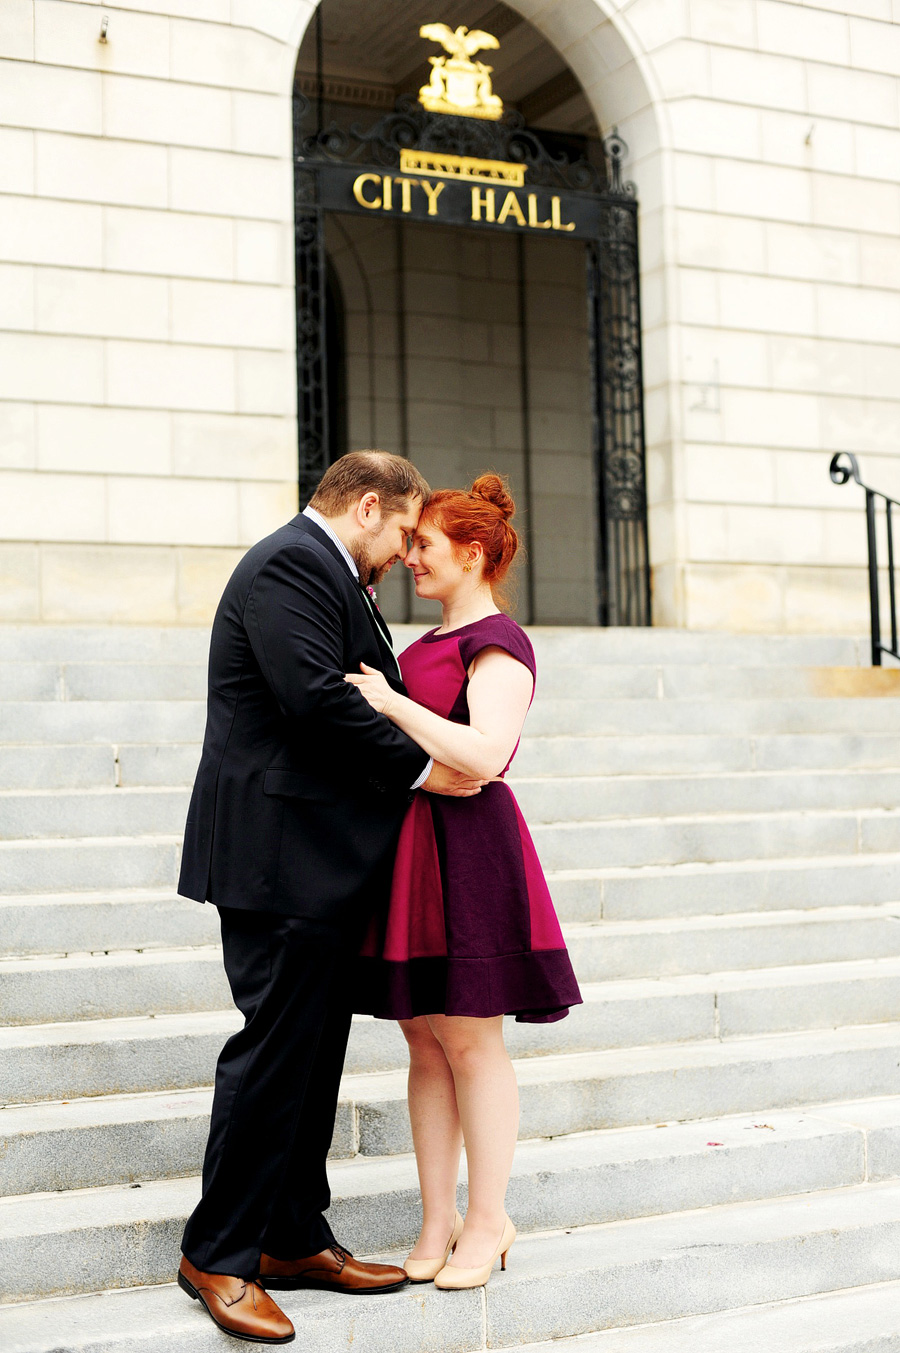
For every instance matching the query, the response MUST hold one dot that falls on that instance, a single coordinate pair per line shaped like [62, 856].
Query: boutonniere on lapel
[373, 595]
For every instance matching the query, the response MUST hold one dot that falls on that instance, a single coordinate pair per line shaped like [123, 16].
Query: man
[290, 833]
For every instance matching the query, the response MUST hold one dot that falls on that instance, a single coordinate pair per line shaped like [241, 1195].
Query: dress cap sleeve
[498, 631]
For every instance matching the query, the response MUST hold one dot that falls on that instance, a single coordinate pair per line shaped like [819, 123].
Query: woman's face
[433, 562]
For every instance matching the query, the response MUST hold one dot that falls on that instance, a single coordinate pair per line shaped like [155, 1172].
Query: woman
[470, 933]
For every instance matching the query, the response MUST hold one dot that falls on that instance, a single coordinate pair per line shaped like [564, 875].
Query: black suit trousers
[265, 1185]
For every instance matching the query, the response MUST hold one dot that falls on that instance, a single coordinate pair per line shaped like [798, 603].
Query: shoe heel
[503, 1260]
[186, 1287]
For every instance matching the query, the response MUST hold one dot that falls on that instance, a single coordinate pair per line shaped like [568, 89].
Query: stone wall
[147, 427]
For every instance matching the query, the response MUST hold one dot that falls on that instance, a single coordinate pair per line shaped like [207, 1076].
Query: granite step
[562, 1091]
[856, 1320]
[558, 1284]
[575, 798]
[122, 680]
[712, 838]
[114, 983]
[562, 644]
[583, 1180]
[145, 811]
[120, 1139]
[183, 720]
[722, 887]
[131, 762]
[97, 863]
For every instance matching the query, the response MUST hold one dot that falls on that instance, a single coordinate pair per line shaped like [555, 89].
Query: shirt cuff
[424, 776]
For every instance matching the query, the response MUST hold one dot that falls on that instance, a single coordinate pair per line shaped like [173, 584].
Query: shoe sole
[235, 1334]
[293, 1285]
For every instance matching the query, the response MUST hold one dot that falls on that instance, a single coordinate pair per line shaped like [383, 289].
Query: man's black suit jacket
[302, 785]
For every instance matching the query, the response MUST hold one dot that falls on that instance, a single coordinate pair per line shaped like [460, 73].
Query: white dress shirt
[351, 564]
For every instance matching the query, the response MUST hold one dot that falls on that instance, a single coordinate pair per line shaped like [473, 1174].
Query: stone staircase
[711, 1143]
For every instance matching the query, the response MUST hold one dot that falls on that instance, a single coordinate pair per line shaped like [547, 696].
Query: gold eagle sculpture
[458, 84]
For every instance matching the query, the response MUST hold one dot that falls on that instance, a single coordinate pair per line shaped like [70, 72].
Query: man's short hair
[395, 479]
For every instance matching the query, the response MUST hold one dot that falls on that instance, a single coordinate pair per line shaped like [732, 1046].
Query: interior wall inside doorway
[433, 350]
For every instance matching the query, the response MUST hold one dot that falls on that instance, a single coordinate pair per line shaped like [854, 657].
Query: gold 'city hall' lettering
[484, 200]
[376, 192]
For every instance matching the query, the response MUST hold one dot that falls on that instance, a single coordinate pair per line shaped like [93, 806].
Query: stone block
[720, 597]
[762, 190]
[264, 507]
[34, 506]
[170, 376]
[879, 261]
[108, 584]
[202, 575]
[704, 127]
[19, 582]
[725, 22]
[225, 55]
[17, 30]
[16, 161]
[262, 124]
[103, 440]
[682, 68]
[16, 296]
[698, 296]
[722, 356]
[795, 31]
[787, 140]
[108, 305]
[232, 315]
[875, 46]
[88, 169]
[867, 425]
[706, 240]
[190, 114]
[862, 314]
[694, 182]
[171, 243]
[38, 866]
[216, 446]
[17, 436]
[856, 204]
[38, 96]
[263, 252]
[66, 35]
[812, 252]
[173, 512]
[35, 230]
[756, 79]
[727, 475]
[766, 303]
[773, 418]
[872, 97]
[230, 185]
[266, 382]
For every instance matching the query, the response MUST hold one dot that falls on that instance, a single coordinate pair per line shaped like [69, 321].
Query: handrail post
[873, 578]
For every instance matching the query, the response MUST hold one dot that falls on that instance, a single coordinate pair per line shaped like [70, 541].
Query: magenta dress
[470, 928]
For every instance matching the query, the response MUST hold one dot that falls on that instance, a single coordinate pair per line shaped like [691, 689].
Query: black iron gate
[422, 166]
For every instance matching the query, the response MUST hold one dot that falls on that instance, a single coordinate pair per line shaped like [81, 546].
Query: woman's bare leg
[487, 1098]
[437, 1136]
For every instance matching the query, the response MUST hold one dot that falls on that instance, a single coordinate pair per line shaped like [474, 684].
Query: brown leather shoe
[239, 1308]
[334, 1270]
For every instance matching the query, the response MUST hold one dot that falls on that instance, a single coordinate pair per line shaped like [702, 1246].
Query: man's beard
[370, 574]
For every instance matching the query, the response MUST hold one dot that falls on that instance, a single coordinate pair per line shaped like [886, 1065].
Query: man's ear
[368, 504]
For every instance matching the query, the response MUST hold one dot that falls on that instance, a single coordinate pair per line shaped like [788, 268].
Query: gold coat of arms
[458, 84]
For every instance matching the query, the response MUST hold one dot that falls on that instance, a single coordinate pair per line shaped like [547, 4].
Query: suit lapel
[373, 615]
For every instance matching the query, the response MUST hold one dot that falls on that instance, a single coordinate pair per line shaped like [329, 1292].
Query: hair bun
[494, 489]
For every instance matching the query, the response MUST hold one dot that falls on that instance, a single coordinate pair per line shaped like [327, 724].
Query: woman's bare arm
[499, 693]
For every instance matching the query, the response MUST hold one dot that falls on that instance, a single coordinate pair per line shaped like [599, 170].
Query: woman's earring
[467, 568]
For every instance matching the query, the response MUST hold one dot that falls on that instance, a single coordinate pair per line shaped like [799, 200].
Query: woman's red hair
[483, 514]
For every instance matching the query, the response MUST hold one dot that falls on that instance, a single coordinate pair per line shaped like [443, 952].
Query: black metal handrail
[844, 467]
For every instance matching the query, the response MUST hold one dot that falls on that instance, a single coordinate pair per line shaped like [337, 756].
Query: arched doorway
[488, 272]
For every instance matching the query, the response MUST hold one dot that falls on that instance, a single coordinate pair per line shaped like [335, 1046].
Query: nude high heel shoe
[424, 1270]
[454, 1279]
